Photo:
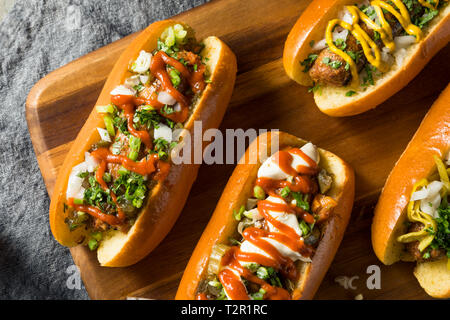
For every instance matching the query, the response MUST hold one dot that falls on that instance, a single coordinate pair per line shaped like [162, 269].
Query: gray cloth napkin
[37, 37]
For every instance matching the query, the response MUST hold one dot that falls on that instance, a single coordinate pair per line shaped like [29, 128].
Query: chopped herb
[285, 192]
[130, 188]
[162, 147]
[308, 62]
[340, 43]
[167, 109]
[139, 87]
[442, 235]
[301, 200]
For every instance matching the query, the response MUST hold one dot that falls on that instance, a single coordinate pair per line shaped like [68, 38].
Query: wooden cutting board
[264, 97]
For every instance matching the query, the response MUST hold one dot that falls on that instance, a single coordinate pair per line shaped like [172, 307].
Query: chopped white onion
[104, 135]
[91, 162]
[430, 205]
[419, 194]
[404, 41]
[74, 188]
[165, 98]
[142, 63]
[177, 107]
[386, 57]
[429, 197]
[347, 17]
[251, 203]
[144, 78]
[400, 56]
[311, 151]
[164, 132]
[340, 35]
[320, 45]
[428, 191]
[123, 90]
[132, 81]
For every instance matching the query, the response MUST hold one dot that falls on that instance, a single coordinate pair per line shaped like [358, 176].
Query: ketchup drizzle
[286, 235]
[127, 103]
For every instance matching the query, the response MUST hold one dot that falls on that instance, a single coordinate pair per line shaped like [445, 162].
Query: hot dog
[356, 54]
[118, 190]
[412, 215]
[277, 225]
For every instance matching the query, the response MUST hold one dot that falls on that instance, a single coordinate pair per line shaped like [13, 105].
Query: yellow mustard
[370, 49]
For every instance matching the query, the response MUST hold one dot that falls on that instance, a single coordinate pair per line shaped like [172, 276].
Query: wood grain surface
[264, 97]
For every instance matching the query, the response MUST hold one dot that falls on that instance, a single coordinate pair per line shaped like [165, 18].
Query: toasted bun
[434, 277]
[332, 100]
[166, 200]
[240, 187]
[416, 162]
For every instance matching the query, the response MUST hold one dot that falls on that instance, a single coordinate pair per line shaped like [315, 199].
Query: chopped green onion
[135, 143]
[304, 228]
[107, 177]
[92, 244]
[262, 273]
[133, 155]
[238, 215]
[109, 124]
[285, 192]
[258, 295]
[217, 252]
[122, 171]
[179, 31]
[216, 284]
[135, 146]
[301, 200]
[170, 37]
[106, 109]
[259, 193]
[96, 235]
[253, 267]
[78, 201]
[175, 77]
[248, 214]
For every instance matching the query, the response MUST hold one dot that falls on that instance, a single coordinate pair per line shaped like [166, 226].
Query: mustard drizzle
[370, 49]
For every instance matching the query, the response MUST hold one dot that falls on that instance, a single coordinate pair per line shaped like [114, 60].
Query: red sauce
[286, 235]
[95, 212]
[235, 288]
[144, 167]
[128, 103]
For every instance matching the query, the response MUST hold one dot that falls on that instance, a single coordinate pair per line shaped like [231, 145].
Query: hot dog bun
[166, 200]
[239, 188]
[332, 100]
[416, 162]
